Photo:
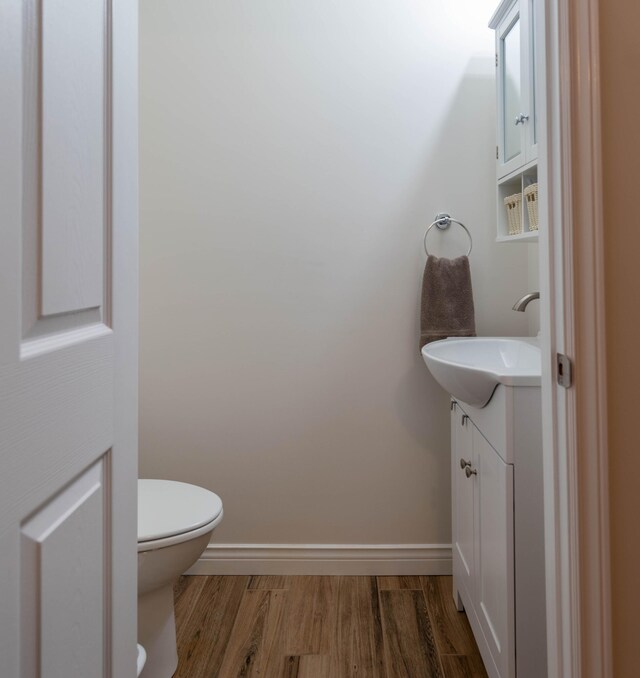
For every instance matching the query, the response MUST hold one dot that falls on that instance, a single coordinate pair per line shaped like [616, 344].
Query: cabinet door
[463, 501]
[511, 128]
[516, 78]
[494, 576]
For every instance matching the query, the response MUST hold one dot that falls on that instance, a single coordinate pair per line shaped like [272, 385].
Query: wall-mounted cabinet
[517, 133]
[513, 23]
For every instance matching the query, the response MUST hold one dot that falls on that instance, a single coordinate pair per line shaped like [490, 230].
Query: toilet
[175, 523]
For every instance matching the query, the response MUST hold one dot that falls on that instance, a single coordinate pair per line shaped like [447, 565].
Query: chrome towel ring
[443, 221]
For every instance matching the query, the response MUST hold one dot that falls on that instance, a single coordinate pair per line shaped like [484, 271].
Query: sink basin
[471, 368]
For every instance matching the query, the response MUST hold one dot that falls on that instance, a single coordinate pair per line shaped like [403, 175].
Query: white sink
[471, 368]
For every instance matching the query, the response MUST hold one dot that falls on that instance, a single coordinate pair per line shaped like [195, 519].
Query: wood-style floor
[322, 627]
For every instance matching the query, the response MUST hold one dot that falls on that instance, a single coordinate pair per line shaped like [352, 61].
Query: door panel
[67, 184]
[512, 101]
[63, 559]
[68, 338]
[463, 500]
[494, 553]
[509, 91]
[73, 95]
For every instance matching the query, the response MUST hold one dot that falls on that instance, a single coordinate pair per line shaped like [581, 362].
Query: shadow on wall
[466, 134]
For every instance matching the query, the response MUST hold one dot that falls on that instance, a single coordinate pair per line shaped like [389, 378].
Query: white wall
[293, 153]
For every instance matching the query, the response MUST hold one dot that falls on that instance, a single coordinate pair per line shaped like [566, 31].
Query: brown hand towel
[447, 300]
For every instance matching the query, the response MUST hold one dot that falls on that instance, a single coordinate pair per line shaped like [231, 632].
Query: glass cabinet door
[511, 91]
[515, 52]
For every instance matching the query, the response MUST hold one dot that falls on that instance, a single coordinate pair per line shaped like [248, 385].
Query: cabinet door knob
[468, 471]
[463, 421]
[521, 119]
[453, 405]
[464, 463]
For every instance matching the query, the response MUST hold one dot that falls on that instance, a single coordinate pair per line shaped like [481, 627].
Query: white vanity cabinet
[482, 485]
[497, 535]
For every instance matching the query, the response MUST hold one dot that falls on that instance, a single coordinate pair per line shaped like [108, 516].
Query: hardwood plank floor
[357, 647]
[451, 629]
[463, 666]
[269, 582]
[395, 583]
[311, 615]
[204, 632]
[322, 627]
[410, 647]
[255, 641]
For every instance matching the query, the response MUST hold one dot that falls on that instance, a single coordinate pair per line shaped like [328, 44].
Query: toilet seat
[170, 512]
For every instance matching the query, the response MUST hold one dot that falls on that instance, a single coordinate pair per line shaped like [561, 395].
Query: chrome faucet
[521, 304]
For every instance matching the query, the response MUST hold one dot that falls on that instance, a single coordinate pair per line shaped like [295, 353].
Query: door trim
[123, 271]
[573, 320]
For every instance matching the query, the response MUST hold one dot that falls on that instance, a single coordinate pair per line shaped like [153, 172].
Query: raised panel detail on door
[73, 154]
[63, 566]
[494, 554]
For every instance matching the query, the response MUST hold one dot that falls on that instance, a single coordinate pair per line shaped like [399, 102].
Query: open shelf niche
[516, 183]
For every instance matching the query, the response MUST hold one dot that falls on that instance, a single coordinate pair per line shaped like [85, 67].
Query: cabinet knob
[453, 405]
[463, 421]
[464, 463]
[468, 471]
[521, 119]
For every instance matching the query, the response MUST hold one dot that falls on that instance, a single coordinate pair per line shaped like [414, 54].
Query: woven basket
[531, 198]
[513, 205]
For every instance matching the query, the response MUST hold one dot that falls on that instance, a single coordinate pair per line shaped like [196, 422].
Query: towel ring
[443, 221]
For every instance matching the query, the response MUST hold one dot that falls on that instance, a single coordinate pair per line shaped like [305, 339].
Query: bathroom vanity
[498, 529]
[497, 497]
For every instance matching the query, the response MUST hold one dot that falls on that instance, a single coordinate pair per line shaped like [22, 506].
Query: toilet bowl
[175, 523]
[140, 660]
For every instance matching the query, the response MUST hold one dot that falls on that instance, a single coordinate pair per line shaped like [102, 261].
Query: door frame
[122, 270]
[573, 323]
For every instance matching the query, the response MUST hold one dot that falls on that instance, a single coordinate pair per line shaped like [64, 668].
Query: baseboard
[328, 559]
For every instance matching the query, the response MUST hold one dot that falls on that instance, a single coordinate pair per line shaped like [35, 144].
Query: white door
[494, 576]
[68, 289]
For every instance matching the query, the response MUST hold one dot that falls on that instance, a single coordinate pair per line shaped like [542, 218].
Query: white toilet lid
[167, 508]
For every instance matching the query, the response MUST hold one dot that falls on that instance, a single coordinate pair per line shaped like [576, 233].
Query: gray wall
[292, 155]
